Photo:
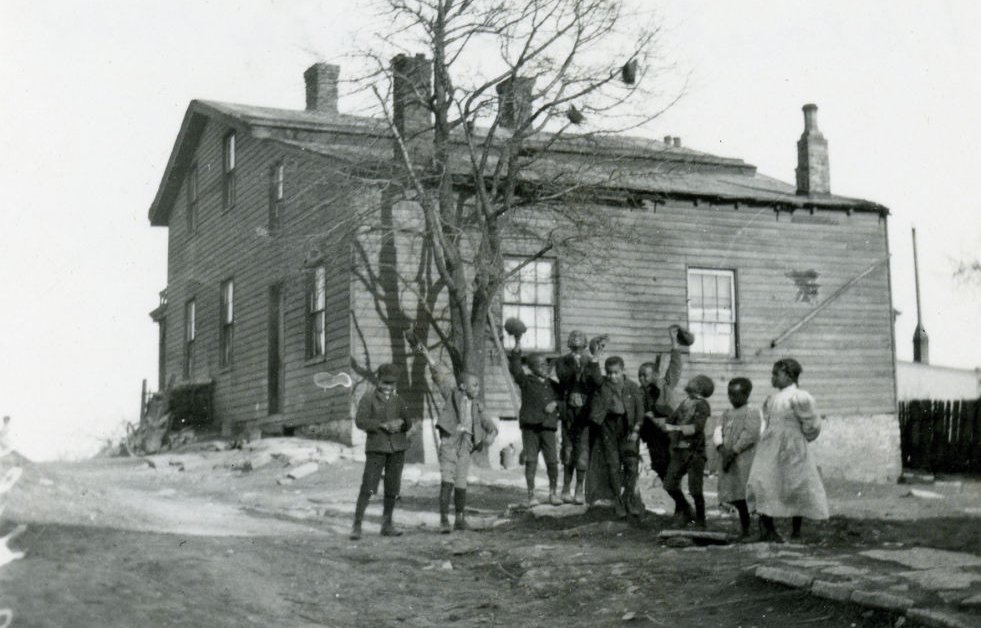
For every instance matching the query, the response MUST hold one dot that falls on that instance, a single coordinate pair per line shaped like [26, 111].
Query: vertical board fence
[941, 435]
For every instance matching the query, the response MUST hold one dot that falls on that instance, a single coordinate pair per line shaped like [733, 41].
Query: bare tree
[496, 128]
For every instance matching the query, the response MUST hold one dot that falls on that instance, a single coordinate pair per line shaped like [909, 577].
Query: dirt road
[118, 543]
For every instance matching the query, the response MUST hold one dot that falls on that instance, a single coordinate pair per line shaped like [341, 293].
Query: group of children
[764, 463]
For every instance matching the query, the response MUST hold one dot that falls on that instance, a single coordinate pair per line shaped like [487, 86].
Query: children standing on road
[738, 434]
[784, 480]
[385, 417]
[686, 427]
[538, 419]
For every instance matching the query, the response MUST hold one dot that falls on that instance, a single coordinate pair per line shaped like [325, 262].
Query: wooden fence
[941, 435]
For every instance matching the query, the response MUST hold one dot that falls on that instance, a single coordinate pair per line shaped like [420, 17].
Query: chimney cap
[810, 107]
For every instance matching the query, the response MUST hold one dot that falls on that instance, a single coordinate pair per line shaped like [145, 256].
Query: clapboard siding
[850, 337]
[641, 288]
[237, 244]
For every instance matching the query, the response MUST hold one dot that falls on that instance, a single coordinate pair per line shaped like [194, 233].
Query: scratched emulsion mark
[807, 285]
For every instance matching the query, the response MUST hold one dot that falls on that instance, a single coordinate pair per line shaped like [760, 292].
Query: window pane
[511, 291]
[527, 292]
[320, 290]
[543, 270]
[545, 293]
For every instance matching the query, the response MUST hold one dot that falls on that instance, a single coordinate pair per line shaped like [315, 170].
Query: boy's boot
[682, 509]
[553, 481]
[445, 493]
[359, 509]
[530, 470]
[567, 485]
[388, 528]
[580, 497]
[699, 511]
[460, 504]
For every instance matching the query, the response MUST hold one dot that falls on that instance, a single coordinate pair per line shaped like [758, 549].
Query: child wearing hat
[686, 428]
[383, 414]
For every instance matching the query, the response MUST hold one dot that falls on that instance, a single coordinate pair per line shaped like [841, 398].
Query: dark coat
[692, 411]
[373, 410]
[633, 403]
[536, 393]
[577, 384]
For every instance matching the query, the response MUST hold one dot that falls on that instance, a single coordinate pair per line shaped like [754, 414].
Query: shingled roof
[626, 164]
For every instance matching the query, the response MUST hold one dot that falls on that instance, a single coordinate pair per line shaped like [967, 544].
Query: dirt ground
[192, 542]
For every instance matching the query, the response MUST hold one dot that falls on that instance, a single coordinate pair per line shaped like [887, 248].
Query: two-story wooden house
[289, 254]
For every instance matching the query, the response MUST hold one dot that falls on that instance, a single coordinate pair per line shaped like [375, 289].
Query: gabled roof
[632, 164]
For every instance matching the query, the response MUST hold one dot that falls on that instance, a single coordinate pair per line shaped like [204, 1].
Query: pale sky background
[93, 94]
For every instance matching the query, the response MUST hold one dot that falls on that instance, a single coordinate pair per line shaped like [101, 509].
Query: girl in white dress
[784, 480]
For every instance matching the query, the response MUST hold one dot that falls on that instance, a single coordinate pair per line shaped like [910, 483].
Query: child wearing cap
[686, 428]
[384, 416]
[538, 420]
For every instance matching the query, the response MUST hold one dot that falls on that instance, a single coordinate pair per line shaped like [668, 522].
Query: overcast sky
[93, 94]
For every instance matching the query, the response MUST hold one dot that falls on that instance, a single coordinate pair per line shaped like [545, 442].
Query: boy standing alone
[385, 418]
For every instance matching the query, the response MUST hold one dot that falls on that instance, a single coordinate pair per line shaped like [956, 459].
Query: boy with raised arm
[538, 419]
[463, 429]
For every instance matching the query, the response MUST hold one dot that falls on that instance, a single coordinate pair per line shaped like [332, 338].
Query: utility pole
[921, 342]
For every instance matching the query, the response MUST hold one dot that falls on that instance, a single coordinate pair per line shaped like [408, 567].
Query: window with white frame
[192, 198]
[228, 171]
[529, 295]
[317, 313]
[277, 176]
[226, 332]
[712, 311]
[190, 333]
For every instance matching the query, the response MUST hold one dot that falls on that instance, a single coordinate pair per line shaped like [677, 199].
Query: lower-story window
[190, 332]
[529, 295]
[226, 333]
[317, 313]
[712, 311]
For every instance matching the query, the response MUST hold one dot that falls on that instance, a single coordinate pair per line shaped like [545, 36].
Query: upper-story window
[712, 311]
[317, 313]
[529, 295]
[277, 192]
[190, 333]
[228, 171]
[226, 333]
[192, 198]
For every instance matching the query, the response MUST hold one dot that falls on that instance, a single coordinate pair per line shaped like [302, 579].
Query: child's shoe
[554, 499]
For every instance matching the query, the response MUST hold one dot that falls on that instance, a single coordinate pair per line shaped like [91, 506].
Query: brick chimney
[321, 80]
[813, 173]
[515, 99]
[411, 91]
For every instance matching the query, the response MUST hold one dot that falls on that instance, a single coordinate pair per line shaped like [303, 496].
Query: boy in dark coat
[579, 376]
[617, 410]
[686, 427]
[385, 417]
[538, 419]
